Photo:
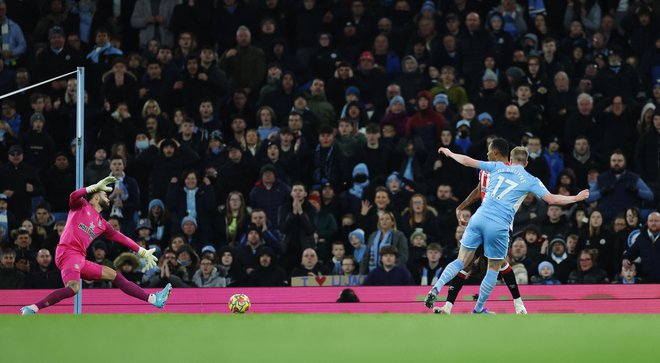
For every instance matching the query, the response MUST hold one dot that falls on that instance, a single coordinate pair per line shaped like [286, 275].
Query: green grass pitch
[333, 338]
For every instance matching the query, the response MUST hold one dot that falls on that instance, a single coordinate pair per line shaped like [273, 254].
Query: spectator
[642, 247]
[233, 220]
[15, 44]
[326, 225]
[310, 265]
[10, 276]
[561, 261]
[125, 196]
[646, 157]
[474, 44]
[19, 183]
[425, 124]
[600, 238]
[245, 65]
[546, 275]
[537, 164]
[429, 271]
[44, 275]
[335, 263]
[349, 266]
[153, 23]
[128, 264]
[385, 235]
[555, 223]
[369, 216]
[511, 127]
[269, 193]
[388, 273]
[59, 182]
[192, 199]
[519, 257]
[208, 275]
[7, 219]
[229, 267]
[356, 239]
[448, 85]
[296, 223]
[239, 172]
[420, 215]
[628, 275]
[587, 271]
[617, 78]
[165, 160]
[618, 188]
[268, 273]
[581, 160]
[98, 168]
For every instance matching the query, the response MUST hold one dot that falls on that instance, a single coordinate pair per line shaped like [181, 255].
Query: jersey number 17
[501, 180]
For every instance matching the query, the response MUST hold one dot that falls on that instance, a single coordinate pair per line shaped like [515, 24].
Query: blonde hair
[519, 155]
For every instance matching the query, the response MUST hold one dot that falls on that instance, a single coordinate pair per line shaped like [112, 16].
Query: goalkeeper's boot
[162, 296]
[483, 311]
[26, 310]
[431, 298]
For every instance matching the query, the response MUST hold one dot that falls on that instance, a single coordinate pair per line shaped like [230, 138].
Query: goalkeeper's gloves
[102, 185]
[149, 257]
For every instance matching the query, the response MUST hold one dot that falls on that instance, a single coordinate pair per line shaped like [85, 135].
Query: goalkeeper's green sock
[130, 288]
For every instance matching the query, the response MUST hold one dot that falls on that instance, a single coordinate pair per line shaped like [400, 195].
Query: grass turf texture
[329, 338]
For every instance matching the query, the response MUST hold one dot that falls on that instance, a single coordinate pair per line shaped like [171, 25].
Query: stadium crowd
[259, 140]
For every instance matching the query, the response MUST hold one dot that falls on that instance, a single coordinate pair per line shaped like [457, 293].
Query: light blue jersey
[507, 187]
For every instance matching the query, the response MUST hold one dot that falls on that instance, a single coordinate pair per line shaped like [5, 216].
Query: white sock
[449, 305]
[518, 301]
[34, 308]
[151, 299]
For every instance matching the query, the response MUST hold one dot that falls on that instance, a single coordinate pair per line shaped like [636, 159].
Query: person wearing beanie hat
[396, 116]
[428, 6]
[160, 220]
[356, 239]
[486, 119]
[188, 219]
[38, 146]
[397, 100]
[489, 76]
[441, 98]
[546, 275]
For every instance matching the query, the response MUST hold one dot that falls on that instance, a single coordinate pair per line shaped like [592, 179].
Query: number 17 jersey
[506, 189]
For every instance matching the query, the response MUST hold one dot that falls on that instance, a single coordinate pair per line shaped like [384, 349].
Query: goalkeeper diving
[83, 225]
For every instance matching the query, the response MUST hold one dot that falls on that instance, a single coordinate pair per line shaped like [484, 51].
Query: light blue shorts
[495, 238]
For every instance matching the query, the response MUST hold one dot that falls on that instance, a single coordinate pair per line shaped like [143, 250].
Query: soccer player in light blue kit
[507, 187]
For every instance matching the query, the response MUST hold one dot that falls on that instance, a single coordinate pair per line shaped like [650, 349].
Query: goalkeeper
[83, 225]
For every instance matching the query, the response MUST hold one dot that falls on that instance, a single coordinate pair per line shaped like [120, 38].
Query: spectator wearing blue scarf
[385, 235]
[193, 200]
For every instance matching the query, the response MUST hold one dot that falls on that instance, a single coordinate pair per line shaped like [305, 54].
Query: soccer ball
[239, 303]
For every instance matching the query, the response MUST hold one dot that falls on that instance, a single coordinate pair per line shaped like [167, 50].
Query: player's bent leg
[487, 284]
[464, 255]
[72, 287]
[128, 287]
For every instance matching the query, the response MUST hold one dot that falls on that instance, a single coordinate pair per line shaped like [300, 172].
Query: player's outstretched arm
[461, 159]
[563, 199]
